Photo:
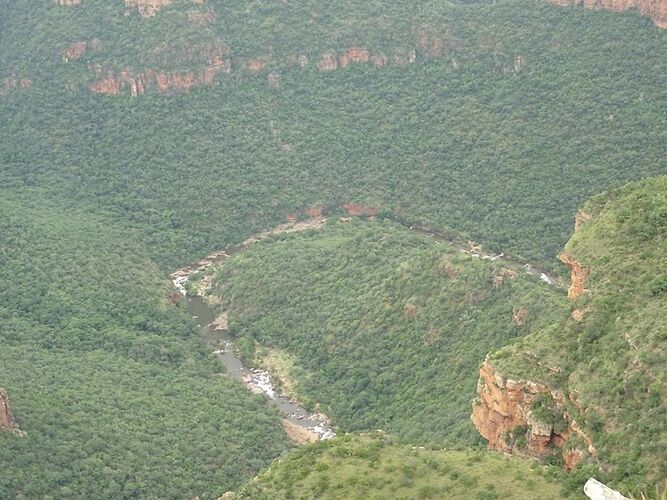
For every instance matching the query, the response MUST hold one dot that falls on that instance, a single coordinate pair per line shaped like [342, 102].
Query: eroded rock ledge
[510, 414]
[7, 422]
[579, 275]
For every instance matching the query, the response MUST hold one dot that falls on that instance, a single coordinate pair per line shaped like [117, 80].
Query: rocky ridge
[113, 82]
[528, 417]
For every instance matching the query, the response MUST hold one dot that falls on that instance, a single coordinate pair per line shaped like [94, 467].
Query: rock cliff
[147, 8]
[655, 9]
[7, 422]
[526, 417]
[137, 83]
[529, 417]
[579, 275]
[503, 414]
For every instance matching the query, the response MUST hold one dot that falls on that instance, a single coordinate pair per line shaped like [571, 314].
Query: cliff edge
[592, 388]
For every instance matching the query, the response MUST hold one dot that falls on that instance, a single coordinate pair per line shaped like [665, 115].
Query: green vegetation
[463, 142]
[613, 360]
[373, 467]
[389, 326]
[511, 115]
[108, 379]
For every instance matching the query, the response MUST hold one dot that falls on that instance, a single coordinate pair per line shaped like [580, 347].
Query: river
[307, 424]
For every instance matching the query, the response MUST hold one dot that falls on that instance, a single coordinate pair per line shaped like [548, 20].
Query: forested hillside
[107, 378]
[507, 119]
[137, 136]
[608, 357]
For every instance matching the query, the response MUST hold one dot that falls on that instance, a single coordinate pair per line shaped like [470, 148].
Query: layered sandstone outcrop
[7, 422]
[78, 49]
[504, 414]
[579, 272]
[655, 9]
[137, 83]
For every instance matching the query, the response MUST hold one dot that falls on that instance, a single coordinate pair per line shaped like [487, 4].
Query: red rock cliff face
[655, 9]
[147, 8]
[7, 422]
[579, 276]
[503, 414]
[504, 410]
[137, 83]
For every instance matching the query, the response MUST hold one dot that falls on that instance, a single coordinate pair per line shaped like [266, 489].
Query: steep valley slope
[593, 388]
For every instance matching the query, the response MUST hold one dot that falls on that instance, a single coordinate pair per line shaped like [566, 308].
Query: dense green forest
[108, 379]
[613, 359]
[374, 467]
[489, 121]
[388, 326]
[473, 141]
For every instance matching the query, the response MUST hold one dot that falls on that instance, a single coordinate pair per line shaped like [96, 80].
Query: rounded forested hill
[384, 328]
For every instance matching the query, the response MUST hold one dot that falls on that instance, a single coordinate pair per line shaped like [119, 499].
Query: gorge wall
[528, 417]
[655, 9]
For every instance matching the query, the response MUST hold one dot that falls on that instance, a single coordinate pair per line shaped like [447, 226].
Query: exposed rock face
[572, 457]
[353, 55]
[655, 9]
[68, 3]
[520, 316]
[253, 65]
[579, 276]
[503, 414]
[76, 50]
[7, 422]
[357, 209]
[167, 83]
[581, 219]
[114, 81]
[9, 84]
[327, 62]
[506, 405]
[221, 323]
[147, 8]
